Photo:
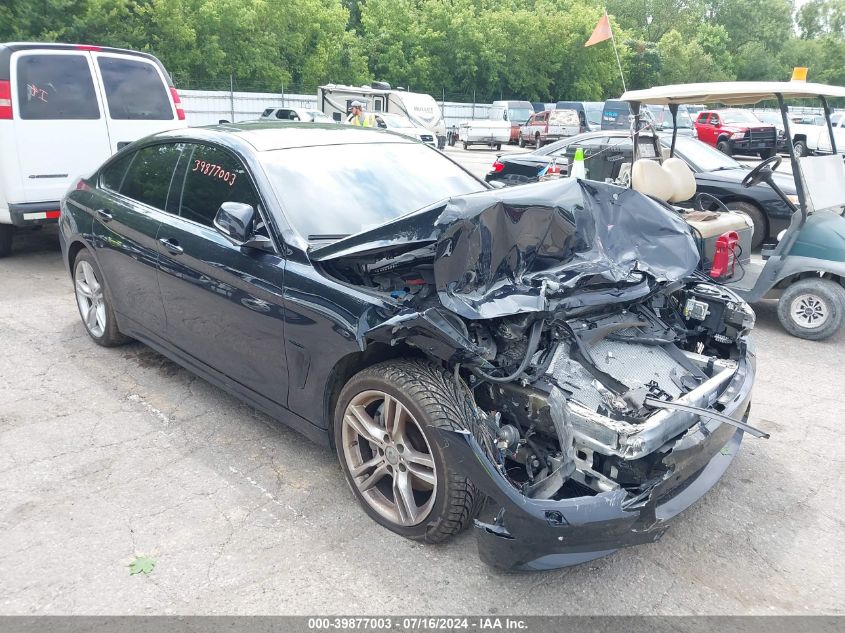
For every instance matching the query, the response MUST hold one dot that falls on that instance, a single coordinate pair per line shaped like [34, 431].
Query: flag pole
[618, 62]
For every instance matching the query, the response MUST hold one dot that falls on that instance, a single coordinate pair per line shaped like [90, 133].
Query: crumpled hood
[523, 249]
[509, 250]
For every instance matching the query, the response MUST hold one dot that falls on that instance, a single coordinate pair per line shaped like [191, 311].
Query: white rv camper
[420, 108]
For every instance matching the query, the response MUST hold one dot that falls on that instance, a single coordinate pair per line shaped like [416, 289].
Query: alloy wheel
[389, 458]
[90, 299]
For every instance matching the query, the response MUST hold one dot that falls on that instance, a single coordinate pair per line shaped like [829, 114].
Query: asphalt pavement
[111, 454]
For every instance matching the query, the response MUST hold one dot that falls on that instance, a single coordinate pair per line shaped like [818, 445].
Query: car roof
[263, 136]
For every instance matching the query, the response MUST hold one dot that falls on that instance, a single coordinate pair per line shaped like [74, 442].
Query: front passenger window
[214, 176]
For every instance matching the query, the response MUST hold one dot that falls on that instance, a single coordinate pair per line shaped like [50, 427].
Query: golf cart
[805, 269]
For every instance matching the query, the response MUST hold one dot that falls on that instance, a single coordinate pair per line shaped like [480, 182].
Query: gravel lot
[110, 453]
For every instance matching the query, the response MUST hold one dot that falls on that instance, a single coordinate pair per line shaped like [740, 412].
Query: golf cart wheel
[760, 227]
[7, 231]
[521, 141]
[385, 440]
[801, 148]
[812, 309]
[93, 302]
[724, 146]
[766, 153]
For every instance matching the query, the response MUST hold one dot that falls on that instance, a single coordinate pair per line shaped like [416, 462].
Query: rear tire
[7, 232]
[94, 303]
[760, 226]
[405, 456]
[724, 146]
[812, 309]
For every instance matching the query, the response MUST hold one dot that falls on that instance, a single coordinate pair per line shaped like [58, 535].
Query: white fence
[208, 107]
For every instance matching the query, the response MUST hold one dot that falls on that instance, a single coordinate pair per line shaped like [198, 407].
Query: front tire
[383, 431]
[93, 302]
[766, 153]
[538, 142]
[724, 146]
[521, 141]
[801, 148]
[7, 232]
[812, 309]
[760, 226]
[466, 145]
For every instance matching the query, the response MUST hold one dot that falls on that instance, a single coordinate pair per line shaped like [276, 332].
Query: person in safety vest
[359, 117]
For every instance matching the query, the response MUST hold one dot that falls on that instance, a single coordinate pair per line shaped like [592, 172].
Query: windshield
[520, 115]
[396, 120]
[772, 118]
[593, 111]
[340, 190]
[702, 157]
[319, 117]
[738, 116]
[663, 117]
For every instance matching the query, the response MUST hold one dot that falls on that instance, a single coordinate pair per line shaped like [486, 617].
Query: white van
[64, 109]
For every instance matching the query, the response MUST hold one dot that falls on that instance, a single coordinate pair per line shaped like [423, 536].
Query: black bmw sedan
[544, 358]
[715, 173]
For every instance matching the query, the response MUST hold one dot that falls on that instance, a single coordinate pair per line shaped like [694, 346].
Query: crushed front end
[611, 382]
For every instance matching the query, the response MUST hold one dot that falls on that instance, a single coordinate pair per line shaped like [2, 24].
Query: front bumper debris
[538, 534]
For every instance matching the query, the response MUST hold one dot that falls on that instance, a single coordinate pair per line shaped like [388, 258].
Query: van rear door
[59, 123]
[138, 97]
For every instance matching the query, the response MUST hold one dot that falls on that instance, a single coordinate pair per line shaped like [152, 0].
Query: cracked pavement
[106, 454]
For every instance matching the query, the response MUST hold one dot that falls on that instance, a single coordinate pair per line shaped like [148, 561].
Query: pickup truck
[808, 138]
[551, 125]
[491, 132]
[735, 131]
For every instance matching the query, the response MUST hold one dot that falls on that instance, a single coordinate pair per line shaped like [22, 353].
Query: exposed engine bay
[577, 324]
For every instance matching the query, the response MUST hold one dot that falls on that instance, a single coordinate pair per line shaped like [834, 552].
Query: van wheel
[812, 309]
[724, 146]
[800, 148]
[93, 302]
[757, 217]
[383, 431]
[7, 231]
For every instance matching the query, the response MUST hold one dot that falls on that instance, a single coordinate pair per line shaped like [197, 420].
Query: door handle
[104, 215]
[171, 245]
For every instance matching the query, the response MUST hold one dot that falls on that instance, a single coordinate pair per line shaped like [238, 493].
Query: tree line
[460, 49]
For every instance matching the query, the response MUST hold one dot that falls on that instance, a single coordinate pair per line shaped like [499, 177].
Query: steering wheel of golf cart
[762, 171]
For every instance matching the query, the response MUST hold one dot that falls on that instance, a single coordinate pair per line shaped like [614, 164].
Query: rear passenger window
[56, 87]
[112, 176]
[214, 176]
[150, 173]
[134, 90]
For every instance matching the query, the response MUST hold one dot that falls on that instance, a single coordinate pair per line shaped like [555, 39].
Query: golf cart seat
[673, 181]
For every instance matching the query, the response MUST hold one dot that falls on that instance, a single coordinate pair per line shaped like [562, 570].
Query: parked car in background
[736, 131]
[617, 115]
[774, 118]
[662, 118]
[550, 125]
[305, 115]
[516, 113]
[566, 374]
[493, 132]
[64, 109]
[589, 112]
[715, 173]
[813, 138]
[403, 125]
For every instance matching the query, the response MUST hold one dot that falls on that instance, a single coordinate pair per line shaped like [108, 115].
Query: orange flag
[601, 32]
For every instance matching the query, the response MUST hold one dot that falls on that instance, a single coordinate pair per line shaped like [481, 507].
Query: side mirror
[236, 221]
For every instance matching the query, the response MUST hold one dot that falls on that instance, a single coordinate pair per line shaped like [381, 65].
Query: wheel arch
[349, 365]
[73, 250]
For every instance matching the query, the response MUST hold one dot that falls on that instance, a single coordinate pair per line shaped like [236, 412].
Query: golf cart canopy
[731, 92]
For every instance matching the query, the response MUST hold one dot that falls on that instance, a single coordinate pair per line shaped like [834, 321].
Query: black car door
[223, 302]
[130, 200]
